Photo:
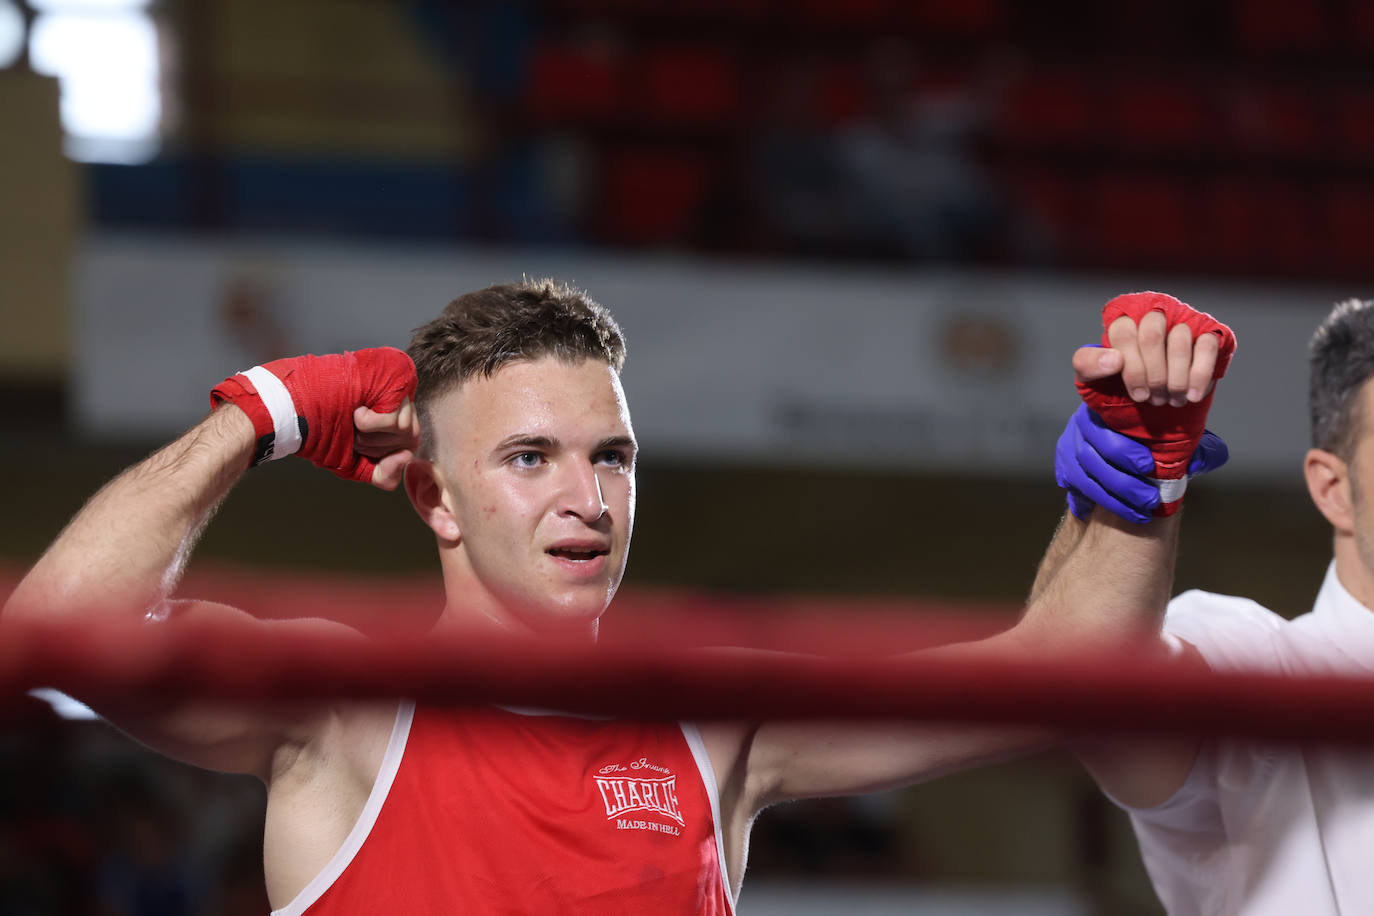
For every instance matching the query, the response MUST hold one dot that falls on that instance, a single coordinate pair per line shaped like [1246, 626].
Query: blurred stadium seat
[686, 85]
[1142, 218]
[1159, 113]
[1055, 109]
[1277, 26]
[572, 82]
[653, 196]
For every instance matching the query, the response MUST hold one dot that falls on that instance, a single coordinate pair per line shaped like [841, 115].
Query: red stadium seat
[1159, 114]
[1257, 224]
[1051, 110]
[722, 9]
[1229, 224]
[1270, 26]
[1287, 121]
[1143, 220]
[575, 82]
[969, 17]
[1291, 234]
[843, 94]
[845, 12]
[1295, 120]
[688, 84]
[1346, 211]
[1359, 24]
[1354, 132]
[601, 6]
[653, 196]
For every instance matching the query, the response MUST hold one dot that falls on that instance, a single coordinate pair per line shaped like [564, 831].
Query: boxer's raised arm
[1103, 584]
[124, 552]
[1110, 587]
[121, 556]
[1173, 355]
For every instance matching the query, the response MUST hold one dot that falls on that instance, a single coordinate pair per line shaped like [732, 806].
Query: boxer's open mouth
[573, 554]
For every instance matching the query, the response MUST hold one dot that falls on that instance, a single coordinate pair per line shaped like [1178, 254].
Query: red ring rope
[649, 674]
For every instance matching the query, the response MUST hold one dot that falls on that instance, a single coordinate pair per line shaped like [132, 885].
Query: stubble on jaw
[1359, 442]
[1364, 543]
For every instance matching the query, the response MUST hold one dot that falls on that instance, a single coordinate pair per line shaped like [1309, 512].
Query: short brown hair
[481, 331]
[1341, 358]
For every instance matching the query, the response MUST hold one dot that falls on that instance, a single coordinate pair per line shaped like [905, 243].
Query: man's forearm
[1113, 584]
[126, 548]
[1112, 592]
[1066, 538]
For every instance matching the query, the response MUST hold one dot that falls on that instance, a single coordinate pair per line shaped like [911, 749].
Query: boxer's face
[537, 468]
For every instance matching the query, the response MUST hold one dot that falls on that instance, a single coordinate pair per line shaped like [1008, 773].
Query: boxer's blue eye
[613, 458]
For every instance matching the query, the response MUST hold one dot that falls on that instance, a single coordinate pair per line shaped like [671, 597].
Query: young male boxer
[519, 454]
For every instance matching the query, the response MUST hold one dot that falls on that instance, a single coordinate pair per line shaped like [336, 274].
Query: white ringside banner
[760, 363]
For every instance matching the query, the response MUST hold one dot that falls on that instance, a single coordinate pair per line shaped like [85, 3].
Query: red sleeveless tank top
[480, 811]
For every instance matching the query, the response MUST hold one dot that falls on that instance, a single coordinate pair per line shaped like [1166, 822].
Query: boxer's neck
[471, 615]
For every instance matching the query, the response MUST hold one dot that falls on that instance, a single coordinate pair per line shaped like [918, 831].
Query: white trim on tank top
[708, 778]
[391, 762]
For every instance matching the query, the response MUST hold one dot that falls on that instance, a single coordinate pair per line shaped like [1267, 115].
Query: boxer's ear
[1329, 484]
[433, 501]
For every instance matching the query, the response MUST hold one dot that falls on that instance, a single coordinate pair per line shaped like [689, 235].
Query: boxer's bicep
[231, 736]
[794, 760]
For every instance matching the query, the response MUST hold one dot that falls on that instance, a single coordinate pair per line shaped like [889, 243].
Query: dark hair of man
[1341, 356]
[481, 331]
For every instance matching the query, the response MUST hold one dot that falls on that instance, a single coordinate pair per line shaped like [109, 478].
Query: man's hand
[1098, 466]
[313, 406]
[1153, 380]
[387, 439]
[1162, 364]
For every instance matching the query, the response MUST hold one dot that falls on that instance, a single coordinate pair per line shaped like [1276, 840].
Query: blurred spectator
[92, 824]
[911, 170]
[46, 851]
[798, 185]
[828, 837]
[144, 871]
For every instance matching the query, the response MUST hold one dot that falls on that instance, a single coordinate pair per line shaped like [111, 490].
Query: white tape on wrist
[1170, 491]
[287, 429]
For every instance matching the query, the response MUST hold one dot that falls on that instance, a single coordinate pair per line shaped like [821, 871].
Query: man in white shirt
[1236, 826]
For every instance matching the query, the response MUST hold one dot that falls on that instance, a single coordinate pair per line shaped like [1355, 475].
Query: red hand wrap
[322, 393]
[1171, 433]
